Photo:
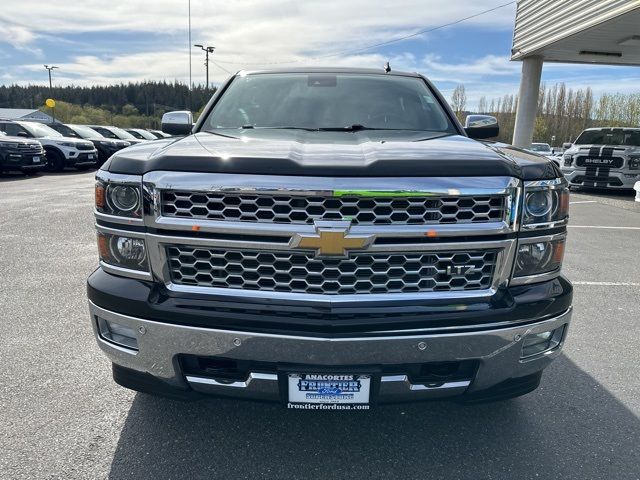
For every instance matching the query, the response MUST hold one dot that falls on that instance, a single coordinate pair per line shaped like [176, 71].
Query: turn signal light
[100, 196]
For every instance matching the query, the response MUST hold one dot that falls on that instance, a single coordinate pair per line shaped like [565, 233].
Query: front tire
[55, 161]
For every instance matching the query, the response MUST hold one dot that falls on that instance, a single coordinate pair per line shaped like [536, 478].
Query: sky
[99, 42]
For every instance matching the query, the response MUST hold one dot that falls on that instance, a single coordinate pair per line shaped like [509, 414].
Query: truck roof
[363, 71]
[633, 129]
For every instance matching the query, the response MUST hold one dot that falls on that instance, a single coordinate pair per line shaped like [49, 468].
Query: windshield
[66, 131]
[318, 101]
[114, 132]
[143, 134]
[38, 130]
[121, 134]
[609, 137]
[540, 147]
[85, 132]
[135, 134]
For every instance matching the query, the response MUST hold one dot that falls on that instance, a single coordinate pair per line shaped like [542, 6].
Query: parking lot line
[583, 201]
[604, 227]
[608, 284]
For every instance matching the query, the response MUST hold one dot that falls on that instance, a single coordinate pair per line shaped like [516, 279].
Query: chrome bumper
[159, 344]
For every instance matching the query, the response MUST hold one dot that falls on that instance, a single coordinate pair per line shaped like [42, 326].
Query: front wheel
[55, 161]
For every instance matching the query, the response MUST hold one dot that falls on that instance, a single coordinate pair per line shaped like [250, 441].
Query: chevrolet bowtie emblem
[331, 239]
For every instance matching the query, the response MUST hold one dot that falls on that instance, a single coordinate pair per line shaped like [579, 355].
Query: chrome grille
[301, 272]
[383, 210]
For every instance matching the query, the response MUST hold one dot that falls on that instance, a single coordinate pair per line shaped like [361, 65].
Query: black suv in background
[116, 133]
[158, 133]
[141, 134]
[21, 154]
[105, 146]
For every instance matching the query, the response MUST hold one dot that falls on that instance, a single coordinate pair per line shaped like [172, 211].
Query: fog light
[118, 334]
[539, 343]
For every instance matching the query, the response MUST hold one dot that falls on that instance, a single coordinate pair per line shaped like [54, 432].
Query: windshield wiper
[284, 127]
[356, 127]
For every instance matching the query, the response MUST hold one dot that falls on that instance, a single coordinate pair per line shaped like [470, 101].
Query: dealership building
[25, 114]
[569, 31]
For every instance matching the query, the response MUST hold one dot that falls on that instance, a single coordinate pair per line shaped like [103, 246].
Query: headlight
[123, 251]
[546, 203]
[634, 163]
[123, 197]
[67, 144]
[119, 195]
[567, 160]
[537, 256]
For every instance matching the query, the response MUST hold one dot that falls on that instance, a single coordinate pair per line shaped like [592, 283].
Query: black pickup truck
[330, 239]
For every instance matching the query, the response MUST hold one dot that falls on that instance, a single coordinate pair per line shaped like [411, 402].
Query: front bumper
[615, 179]
[24, 162]
[161, 345]
[83, 158]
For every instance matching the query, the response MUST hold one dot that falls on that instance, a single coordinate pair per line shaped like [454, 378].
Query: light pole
[53, 109]
[207, 51]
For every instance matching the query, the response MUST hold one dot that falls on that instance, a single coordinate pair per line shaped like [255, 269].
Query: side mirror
[22, 134]
[567, 146]
[481, 126]
[177, 123]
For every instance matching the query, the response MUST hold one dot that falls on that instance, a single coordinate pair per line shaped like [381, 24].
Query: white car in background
[545, 150]
[61, 151]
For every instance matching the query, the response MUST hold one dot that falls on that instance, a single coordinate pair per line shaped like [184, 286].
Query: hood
[74, 140]
[346, 154]
[605, 150]
[111, 142]
[18, 140]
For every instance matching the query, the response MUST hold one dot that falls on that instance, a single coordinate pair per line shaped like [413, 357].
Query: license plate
[329, 389]
[36, 159]
[90, 157]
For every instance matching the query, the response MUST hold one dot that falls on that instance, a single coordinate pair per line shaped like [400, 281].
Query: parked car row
[31, 146]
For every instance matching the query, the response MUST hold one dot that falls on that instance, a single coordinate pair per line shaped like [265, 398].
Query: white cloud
[250, 31]
[254, 33]
[19, 37]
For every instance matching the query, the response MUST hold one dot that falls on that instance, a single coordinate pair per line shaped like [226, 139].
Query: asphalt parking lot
[61, 416]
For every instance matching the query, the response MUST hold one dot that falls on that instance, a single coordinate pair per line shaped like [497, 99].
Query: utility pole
[207, 50]
[53, 109]
[190, 80]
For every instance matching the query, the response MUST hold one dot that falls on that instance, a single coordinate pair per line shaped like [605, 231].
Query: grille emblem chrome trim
[331, 239]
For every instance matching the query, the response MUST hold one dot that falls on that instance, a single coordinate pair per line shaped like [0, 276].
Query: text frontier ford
[330, 239]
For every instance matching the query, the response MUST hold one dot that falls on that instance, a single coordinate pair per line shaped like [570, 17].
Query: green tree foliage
[563, 113]
[139, 104]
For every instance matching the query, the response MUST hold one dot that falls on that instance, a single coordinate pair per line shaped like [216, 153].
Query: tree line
[562, 112]
[119, 104]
